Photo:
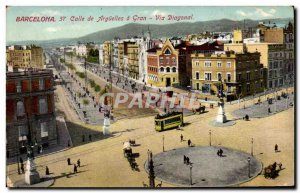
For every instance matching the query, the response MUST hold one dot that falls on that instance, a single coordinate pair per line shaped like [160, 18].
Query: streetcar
[168, 121]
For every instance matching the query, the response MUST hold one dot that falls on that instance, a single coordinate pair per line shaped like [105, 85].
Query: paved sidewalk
[261, 110]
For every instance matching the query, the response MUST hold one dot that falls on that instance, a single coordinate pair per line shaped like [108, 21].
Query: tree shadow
[82, 135]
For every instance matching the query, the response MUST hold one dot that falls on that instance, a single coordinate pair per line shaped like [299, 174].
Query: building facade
[272, 58]
[19, 58]
[107, 53]
[238, 74]
[163, 68]
[81, 50]
[133, 61]
[30, 110]
[37, 57]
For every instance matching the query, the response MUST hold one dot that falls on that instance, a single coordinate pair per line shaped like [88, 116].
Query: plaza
[206, 168]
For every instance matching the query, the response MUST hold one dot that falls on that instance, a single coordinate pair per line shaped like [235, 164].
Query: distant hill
[175, 29]
[158, 31]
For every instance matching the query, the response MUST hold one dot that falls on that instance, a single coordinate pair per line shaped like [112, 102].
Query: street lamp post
[163, 140]
[249, 159]
[209, 137]
[252, 147]
[18, 149]
[191, 179]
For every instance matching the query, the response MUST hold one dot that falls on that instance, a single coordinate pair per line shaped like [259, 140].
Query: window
[22, 133]
[228, 77]
[248, 75]
[219, 64]
[167, 60]
[270, 64]
[197, 75]
[239, 77]
[197, 63]
[173, 60]
[207, 64]
[270, 84]
[44, 129]
[162, 69]
[174, 69]
[168, 69]
[248, 87]
[19, 87]
[20, 109]
[167, 51]
[270, 74]
[219, 76]
[41, 84]
[228, 65]
[161, 60]
[275, 73]
[207, 75]
[42, 106]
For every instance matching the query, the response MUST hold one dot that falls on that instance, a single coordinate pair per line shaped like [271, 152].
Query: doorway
[168, 82]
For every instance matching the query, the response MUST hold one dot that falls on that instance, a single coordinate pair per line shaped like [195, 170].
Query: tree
[86, 102]
[97, 88]
[92, 83]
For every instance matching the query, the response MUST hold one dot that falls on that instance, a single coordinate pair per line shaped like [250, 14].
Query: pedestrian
[221, 152]
[181, 138]
[189, 142]
[187, 160]
[22, 168]
[184, 159]
[276, 148]
[47, 171]
[75, 168]
[69, 161]
[78, 162]
[38, 149]
[21, 160]
[280, 166]
[269, 110]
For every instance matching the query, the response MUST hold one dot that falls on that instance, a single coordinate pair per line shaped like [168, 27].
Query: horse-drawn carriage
[270, 171]
[200, 109]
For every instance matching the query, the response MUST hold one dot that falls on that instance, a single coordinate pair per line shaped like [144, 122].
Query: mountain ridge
[158, 30]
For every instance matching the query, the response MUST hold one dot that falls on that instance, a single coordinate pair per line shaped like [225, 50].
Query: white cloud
[158, 12]
[46, 12]
[52, 29]
[50, 12]
[244, 14]
[258, 12]
[263, 13]
[272, 11]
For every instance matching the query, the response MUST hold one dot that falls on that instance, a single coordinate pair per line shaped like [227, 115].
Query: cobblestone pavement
[261, 110]
[208, 169]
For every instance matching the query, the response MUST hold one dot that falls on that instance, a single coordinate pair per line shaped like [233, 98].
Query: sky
[19, 31]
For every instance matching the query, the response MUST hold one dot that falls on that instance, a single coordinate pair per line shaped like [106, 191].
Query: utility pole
[151, 172]
[85, 78]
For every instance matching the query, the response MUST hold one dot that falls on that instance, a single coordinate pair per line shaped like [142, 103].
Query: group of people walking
[75, 166]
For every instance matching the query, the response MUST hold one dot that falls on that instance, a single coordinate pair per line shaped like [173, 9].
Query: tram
[168, 121]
